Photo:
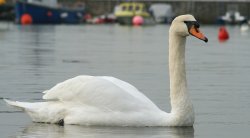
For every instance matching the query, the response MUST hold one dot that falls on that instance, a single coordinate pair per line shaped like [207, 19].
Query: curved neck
[180, 101]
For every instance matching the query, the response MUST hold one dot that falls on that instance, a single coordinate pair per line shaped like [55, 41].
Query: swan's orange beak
[197, 33]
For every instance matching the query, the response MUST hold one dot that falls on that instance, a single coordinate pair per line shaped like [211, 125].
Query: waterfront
[201, 9]
[35, 58]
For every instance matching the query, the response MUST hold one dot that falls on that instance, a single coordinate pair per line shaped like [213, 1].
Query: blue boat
[45, 12]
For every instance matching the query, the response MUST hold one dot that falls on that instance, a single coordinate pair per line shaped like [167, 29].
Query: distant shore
[206, 11]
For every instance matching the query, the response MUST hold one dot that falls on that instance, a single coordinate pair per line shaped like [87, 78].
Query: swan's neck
[180, 102]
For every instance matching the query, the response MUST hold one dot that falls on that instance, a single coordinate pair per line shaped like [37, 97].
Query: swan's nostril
[197, 30]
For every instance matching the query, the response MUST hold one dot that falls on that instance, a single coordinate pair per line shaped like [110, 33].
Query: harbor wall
[204, 11]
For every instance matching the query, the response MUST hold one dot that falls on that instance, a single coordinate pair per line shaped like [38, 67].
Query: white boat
[163, 13]
[232, 17]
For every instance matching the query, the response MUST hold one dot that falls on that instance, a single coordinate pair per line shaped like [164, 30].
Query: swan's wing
[130, 89]
[67, 90]
[100, 92]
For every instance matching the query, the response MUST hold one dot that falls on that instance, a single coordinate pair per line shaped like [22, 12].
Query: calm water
[35, 58]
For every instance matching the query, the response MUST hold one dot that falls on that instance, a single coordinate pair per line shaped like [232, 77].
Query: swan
[108, 101]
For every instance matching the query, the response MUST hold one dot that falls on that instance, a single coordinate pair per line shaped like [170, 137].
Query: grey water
[35, 58]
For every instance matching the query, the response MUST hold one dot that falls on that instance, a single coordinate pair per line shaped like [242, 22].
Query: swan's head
[185, 25]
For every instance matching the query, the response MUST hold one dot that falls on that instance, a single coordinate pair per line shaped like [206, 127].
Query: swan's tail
[20, 105]
[48, 112]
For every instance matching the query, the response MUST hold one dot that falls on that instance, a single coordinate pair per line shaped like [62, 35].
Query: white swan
[108, 101]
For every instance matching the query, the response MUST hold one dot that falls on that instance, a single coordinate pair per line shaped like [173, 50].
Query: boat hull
[125, 20]
[48, 15]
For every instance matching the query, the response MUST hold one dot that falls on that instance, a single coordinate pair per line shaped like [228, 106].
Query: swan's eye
[196, 24]
[190, 24]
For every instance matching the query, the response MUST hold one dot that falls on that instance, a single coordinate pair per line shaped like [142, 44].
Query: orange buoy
[137, 20]
[223, 34]
[26, 19]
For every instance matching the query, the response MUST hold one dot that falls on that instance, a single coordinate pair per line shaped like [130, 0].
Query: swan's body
[95, 100]
[102, 100]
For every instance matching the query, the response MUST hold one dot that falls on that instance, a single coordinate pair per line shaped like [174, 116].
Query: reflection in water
[73, 131]
[39, 44]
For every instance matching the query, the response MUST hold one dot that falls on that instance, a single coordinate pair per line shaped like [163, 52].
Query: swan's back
[106, 93]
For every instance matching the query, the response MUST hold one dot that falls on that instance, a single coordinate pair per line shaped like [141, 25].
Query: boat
[125, 12]
[232, 17]
[6, 11]
[2, 2]
[46, 12]
[103, 19]
[162, 13]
